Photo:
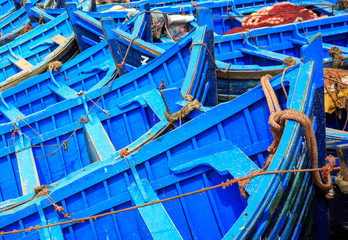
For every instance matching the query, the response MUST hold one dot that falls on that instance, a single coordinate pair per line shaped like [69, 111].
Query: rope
[39, 191]
[121, 65]
[337, 56]
[54, 66]
[38, 146]
[282, 79]
[289, 61]
[169, 34]
[277, 121]
[222, 185]
[57, 208]
[184, 111]
[342, 5]
[26, 28]
[271, 98]
[81, 120]
[41, 20]
[103, 110]
[162, 85]
[21, 32]
[253, 37]
[210, 55]
[334, 80]
[343, 185]
[16, 130]
[333, 76]
[20, 118]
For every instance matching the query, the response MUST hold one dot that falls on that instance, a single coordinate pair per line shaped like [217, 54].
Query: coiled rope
[277, 121]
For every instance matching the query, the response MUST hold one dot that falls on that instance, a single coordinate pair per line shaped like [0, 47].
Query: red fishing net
[280, 13]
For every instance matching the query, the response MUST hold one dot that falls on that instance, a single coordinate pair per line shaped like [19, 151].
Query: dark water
[338, 214]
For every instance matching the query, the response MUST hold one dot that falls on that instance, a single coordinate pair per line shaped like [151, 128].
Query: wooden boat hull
[31, 53]
[12, 25]
[63, 52]
[335, 137]
[65, 108]
[184, 160]
[264, 48]
[7, 6]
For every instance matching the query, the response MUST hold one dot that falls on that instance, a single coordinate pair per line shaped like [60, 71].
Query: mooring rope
[277, 121]
[222, 185]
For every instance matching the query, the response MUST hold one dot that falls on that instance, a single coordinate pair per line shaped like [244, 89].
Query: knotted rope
[26, 28]
[289, 62]
[277, 121]
[184, 111]
[343, 185]
[162, 85]
[39, 191]
[54, 66]
[41, 20]
[336, 54]
[342, 5]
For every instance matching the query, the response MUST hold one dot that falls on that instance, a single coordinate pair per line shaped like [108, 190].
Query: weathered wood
[342, 153]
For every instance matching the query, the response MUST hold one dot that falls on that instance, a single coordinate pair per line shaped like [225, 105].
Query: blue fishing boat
[277, 43]
[30, 16]
[11, 26]
[18, 23]
[246, 56]
[52, 112]
[6, 7]
[224, 142]
[30, 53]
[335, 137]
[153, 4]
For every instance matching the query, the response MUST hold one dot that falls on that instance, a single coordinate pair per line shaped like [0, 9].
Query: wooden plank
[23, 64]
[59, 39]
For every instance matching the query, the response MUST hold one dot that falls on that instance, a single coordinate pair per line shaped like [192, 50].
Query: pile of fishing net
[278, 14]
[336, 91]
